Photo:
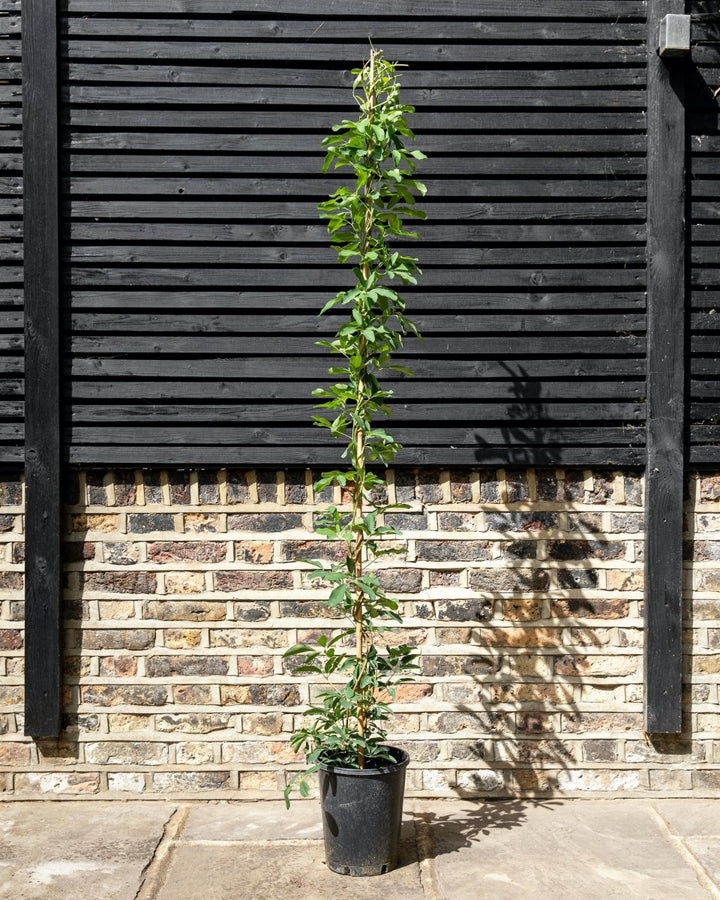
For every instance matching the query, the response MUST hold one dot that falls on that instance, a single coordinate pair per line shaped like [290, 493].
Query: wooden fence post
[665, 380]
[42, 369]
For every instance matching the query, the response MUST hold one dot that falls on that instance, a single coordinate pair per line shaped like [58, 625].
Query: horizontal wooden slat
[289, 255]
[476, 166]
[11, 433]
[208, 344]
[706, 321]
[426, 81]
[319, 187]
[705, 366]
[703, 188]
[397, 28]
[11, 252]
[270, 143]
[701, 343]
[704, 455]
[320, 121]
[11, 365]
[428, 233]
[706, 412]
[456, 277]
[347, 52]
[418, 300]
[482, 454]
[167, 323]
[337, 98]
[469, 436]
[513, 371]
[708, 391]
[149, 388]
[11, 409]
[472, 9]
[530, 411]
[9, 24]
[579, 209]
[705, 434]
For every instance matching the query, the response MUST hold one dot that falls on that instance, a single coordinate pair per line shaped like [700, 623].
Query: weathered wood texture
[703, 79]
[42, 370]
[194, 260]
[665, 381]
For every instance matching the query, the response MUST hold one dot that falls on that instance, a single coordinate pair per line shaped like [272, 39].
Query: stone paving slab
[701, 817]
[248, 821]
[706, 851]
[555, 850]
[451, 850]
[72, 851]
[279, 871]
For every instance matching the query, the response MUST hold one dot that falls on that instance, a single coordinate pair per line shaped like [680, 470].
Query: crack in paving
[156, 871]
[701, 873]
[426, 858]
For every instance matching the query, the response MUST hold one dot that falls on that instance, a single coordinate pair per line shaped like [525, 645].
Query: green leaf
[298, 648]
[338, 595]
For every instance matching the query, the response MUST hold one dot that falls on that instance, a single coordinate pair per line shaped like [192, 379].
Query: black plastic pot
[362, 814]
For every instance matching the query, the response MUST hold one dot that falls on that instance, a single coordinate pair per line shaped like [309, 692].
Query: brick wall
[522, 589]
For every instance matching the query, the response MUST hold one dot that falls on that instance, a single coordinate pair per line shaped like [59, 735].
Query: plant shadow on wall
[524, 707]
[525, 711]
[522, 436]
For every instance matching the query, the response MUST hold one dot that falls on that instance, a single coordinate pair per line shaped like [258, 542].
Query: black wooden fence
[703, 161]
[193, 261]
[175, 307]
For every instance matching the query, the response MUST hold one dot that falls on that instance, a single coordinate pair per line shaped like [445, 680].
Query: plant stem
[358, 436]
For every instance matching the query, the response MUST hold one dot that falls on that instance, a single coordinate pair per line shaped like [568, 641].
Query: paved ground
[452, 850]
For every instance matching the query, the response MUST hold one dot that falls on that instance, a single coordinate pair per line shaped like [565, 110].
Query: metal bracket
[674, 35]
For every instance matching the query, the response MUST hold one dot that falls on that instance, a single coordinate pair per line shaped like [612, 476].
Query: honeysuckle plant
[345, 725]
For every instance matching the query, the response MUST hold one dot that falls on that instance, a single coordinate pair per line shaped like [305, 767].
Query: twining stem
[348, 724]
[358, 433]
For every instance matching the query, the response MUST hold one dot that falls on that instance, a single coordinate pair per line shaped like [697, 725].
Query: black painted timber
[42, 368]
[194, 261]
[665, 382]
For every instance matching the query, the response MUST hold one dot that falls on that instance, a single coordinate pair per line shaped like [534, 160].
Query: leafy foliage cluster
[346, 722]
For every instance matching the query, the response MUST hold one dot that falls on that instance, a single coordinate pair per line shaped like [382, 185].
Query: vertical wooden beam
[42, 368]
[665, 380]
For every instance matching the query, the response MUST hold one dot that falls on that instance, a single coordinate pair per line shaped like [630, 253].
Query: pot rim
[401, 763]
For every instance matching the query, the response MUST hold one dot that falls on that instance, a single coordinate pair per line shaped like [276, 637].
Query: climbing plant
[346, 722]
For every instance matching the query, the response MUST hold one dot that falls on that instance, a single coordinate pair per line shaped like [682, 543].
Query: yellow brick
[195, 753]
[116, 609]
[184, 582]
[537, 666]
[622, 580]
[706, 665]
[102, 523]
[182, 638]
[128, 722]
